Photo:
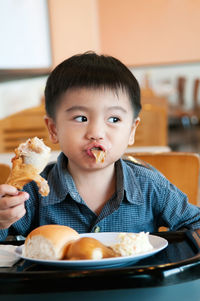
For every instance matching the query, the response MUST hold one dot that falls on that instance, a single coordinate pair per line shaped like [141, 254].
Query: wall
[138, 32]
[150, 31]
[23, 26]
[74, 27]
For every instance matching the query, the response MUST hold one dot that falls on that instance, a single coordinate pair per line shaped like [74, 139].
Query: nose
[95, 131]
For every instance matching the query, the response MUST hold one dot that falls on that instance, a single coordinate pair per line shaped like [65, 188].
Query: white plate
[107, 238]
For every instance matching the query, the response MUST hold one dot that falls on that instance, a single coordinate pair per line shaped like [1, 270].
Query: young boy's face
[93, 118]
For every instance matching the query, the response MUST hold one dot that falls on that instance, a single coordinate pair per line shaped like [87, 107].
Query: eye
[113, 119]
[81, 118]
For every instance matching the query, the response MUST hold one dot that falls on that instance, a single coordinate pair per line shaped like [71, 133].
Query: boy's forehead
[81, 92]
[77, 97]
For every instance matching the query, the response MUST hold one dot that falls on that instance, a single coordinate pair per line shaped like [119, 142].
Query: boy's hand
[11, 205]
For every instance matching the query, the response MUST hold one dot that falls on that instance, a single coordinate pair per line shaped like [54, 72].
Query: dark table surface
[178, 263]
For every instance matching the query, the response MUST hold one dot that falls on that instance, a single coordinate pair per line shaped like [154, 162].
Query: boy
[93, 102]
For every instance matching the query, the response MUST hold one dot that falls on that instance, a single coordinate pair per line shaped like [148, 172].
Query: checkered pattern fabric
[144, 200]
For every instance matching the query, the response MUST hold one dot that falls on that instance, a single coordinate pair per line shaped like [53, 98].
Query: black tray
[179, 262]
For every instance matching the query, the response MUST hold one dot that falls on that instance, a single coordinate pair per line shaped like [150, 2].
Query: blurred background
[157, 39]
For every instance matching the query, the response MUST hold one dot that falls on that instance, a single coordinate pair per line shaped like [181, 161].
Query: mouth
[99, 148]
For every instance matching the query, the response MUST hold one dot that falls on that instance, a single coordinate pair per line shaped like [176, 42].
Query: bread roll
[88, 248]
[49, 242]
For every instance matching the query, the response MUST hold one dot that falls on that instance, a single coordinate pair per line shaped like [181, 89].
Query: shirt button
[97, 229]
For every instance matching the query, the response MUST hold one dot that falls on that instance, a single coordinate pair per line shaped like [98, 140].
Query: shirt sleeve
[3, 234]
[177, 212]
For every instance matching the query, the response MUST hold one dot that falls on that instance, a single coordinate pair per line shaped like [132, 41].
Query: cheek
[67, 138]
[122, 139]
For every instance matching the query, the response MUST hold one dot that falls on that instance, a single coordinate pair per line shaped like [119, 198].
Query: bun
[49, 242]
[88, 248]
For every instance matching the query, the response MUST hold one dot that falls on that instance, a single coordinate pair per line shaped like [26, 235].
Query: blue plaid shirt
[144, 200]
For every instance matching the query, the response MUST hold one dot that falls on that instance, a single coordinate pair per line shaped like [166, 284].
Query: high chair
[153, 127]
[181, 168]
[17, 128]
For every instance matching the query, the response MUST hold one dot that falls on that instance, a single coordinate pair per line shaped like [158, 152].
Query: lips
[94, 147]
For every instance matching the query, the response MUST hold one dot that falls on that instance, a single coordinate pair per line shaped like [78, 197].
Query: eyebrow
[82, 108]
[117, 108]
[76, 108]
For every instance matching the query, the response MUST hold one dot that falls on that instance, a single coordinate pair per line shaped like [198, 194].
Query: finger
[10, 216]
[8, 189]
[13, 213]
[7, 202]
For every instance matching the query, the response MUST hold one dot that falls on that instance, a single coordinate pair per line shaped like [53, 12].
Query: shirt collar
[130, 183]
[61, 183]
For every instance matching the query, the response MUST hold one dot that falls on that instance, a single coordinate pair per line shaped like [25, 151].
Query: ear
[133, 130]
[51, 126]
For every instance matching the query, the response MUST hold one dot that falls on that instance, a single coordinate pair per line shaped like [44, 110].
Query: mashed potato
[132, 244]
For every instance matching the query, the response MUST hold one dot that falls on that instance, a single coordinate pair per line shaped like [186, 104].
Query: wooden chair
[18, 127]
[182, 169]
[153, 127]
[4, 172]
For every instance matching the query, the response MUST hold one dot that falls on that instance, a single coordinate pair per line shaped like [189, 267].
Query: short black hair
[90, 70]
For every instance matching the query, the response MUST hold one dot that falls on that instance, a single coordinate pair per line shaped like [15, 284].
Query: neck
[95, 187]
[88, 177]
